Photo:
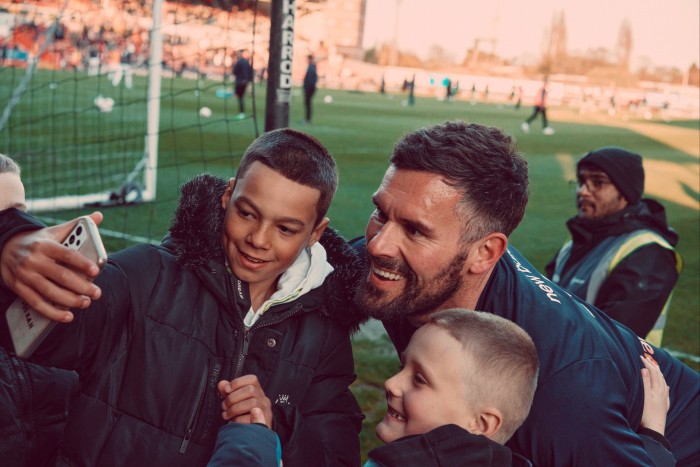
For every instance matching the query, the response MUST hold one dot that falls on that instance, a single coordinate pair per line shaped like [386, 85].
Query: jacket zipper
[193, 417]
[248, 335]
[24, 399]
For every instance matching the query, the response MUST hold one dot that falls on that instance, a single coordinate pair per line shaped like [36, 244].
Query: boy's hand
[241, 396]
[656, 397]
[47, 275]
[257, 416]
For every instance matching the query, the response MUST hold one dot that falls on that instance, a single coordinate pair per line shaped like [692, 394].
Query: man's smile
[392, 276]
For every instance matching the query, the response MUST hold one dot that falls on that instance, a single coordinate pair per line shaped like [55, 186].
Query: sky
[665, 32]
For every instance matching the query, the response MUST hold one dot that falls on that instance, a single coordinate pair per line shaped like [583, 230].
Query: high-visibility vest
[586, 278]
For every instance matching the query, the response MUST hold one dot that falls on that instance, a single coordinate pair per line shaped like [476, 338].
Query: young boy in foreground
[466, 384]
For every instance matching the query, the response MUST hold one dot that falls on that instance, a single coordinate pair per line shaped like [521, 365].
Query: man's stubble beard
[412, 302]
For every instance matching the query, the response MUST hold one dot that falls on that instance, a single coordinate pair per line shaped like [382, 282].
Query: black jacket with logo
[169, 326]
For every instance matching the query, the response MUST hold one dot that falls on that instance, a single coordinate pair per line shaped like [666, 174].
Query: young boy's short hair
[8, 165]
[299, 157]
[505, 363]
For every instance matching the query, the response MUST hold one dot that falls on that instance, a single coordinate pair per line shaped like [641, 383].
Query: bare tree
[555, 52]
[624, 45]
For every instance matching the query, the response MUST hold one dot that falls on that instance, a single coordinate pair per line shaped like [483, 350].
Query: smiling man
[620, 257]
[438, 238]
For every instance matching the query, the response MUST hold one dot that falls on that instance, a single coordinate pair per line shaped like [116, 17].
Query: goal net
[114, 103]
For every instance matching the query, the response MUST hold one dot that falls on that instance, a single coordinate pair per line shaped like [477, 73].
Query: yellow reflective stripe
[645, 237]
[656, 334]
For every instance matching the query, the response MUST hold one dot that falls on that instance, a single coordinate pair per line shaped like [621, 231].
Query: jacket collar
[647, 214]
[195, 237]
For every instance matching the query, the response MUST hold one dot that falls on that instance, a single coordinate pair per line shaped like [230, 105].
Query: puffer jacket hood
[196, 238]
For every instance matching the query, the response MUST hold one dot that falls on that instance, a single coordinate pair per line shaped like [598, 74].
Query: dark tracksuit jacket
[636, 290]
[448, 445]
[169, 326]
[589, 399]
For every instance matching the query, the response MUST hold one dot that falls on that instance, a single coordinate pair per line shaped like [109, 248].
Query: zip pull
[246, 343]
[186, 440]
[247, 336]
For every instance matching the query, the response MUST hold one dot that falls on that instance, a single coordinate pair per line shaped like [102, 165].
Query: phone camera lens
[79, 230]
[71, 240]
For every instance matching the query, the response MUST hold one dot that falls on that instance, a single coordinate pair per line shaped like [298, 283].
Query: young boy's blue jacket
[169, 326]
[588, 404]
[246, 445]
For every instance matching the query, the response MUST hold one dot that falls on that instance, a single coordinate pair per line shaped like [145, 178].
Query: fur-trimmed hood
[196, 239]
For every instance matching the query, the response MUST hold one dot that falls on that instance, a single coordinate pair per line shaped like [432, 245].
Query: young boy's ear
[487, 423]
[229, 191]
[318, 231]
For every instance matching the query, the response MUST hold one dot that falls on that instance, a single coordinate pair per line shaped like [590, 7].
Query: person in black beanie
[621, 255]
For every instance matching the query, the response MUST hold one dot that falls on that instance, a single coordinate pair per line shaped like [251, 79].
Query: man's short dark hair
[482, 162]
[299, 157]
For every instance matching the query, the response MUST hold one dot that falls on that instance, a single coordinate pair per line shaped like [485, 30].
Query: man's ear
[488, 251]
[318, 230]
[487, 423]
[229, 191]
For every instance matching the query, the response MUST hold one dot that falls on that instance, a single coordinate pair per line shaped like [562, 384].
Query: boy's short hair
[505, 363]
[299, 157]
[7, 165]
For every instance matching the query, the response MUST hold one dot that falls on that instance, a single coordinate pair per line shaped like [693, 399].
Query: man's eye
[413, 232]
[597, 182]
[379, 215]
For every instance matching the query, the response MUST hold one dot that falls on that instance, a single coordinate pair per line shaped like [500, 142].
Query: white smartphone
[28, 327]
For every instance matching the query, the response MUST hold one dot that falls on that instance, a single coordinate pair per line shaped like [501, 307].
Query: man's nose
[385, 241]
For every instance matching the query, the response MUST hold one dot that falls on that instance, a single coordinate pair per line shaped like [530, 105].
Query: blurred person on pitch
[539, 108]
[310, 80]
[243, 72]
[621, 255]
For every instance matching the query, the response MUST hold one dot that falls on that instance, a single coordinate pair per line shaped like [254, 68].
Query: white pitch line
[107, 232]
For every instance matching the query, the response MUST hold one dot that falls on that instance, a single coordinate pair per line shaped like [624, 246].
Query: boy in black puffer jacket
[242, 291]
